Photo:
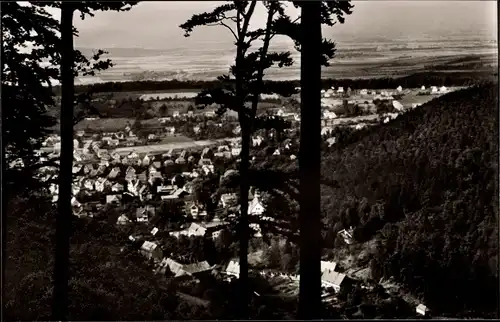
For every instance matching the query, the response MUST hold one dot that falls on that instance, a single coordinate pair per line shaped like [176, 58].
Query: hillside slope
[424, 186]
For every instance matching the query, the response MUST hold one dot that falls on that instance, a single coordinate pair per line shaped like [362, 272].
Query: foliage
[106, 284]
[30, 56]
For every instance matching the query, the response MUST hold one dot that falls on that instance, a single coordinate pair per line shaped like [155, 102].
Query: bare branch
[230, 29]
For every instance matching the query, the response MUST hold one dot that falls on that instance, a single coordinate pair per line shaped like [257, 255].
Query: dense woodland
[424, 186]
[421, 195]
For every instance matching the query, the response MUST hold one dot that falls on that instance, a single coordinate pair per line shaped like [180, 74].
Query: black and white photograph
[249, 160]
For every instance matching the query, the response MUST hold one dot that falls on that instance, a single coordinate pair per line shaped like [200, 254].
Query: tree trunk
[243, 229]
[309, 163]
[63, 220]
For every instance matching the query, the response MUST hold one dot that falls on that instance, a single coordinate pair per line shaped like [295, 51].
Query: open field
[161, 148]
[105, 124]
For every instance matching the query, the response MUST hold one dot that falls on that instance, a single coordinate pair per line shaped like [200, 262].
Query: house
[174, 267]
[144, 213]
[151, 250]
[156, 165]
[101, 184]
[206, 153]
[155, 176]
[115, 156]
[399, 89]
[117, 187]
[205, 161]
[113, 142]
[340, 89]
[331, 141]
[257, 229]
[196, 129]
[196, 268]
[165, 189]
[170, 130]
[177, 194]
[397, 106]
[123, 220]
[89, 184]
[255, 206]
[79, 212]
[434, 90]
[76, 168]
[422, 88]
[78, 156]
[293, 157]
[443, 89]
[257, 141]
[328, 266]
[276, 152]
[329, 115]
[195, 229]
[88, 168]
[142, 177]
[210, 113]
[146, 161]
[151, 136]
[75, 189]
[130, 174]
[133, 187]
[422, 309]
[102, 168]
[363, 92]
[194, 210]
[175, 113]
[113, 199]
[332, 279]
[168, 155]
[180, 159]
[233, 269]
[75, 203]
[93, 173]
[222, 148]
[144, 193]
[103, 154]
[228, 200]
[347, 235]
[207, 169]
[235, 151]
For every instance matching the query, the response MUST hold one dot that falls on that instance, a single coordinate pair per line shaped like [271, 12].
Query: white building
[397, 105]
[422, 309]
[233, 269]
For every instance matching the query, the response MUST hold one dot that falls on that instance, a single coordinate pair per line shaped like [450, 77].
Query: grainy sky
[155, 24]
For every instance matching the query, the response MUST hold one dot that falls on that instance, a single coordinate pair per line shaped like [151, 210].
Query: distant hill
[424, 186]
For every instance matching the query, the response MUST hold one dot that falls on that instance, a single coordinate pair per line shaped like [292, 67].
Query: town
[168, 197]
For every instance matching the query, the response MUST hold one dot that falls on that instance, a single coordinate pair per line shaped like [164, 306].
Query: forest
[424, 188]
[412, 81]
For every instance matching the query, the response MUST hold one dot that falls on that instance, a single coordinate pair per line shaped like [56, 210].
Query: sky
[156, 24]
